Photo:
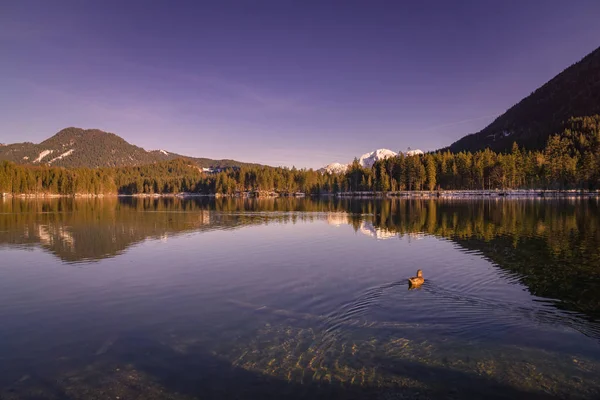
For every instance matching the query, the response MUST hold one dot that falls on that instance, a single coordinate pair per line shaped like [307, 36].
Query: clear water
[299, 298]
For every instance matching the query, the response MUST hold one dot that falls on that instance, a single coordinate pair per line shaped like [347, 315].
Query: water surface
[231, 298]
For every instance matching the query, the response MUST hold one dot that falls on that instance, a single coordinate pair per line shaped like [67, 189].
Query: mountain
[575, 92]
[76, 147]
[415, 152]
[367, 160]
[335, 168]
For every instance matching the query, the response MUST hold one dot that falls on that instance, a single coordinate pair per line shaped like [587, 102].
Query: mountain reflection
[552, 246]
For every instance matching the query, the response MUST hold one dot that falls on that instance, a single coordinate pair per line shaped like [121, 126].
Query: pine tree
[431, 172]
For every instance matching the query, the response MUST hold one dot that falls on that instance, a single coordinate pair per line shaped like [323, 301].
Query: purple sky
[300, 83]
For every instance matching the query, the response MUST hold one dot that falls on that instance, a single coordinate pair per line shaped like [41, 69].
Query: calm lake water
[299, 298]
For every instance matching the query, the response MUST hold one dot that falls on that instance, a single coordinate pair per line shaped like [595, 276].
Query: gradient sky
[300, 83]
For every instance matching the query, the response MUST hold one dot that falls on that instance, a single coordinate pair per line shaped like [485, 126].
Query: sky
[301, 83]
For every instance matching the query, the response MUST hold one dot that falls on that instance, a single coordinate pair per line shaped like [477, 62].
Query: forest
[570, 160]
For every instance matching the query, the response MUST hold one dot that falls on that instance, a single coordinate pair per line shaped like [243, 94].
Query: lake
[168, 298]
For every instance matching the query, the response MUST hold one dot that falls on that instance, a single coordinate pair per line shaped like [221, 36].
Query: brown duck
[417, 280]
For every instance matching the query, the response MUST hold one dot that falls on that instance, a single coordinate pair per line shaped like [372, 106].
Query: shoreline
[466, 194]
[446, 194]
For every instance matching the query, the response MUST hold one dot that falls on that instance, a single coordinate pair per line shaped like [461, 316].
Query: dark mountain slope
[575, 92]
[76, 147]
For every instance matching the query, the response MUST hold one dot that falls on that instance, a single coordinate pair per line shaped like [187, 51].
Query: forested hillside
[93, 148]
[570, 160]
[575, 92]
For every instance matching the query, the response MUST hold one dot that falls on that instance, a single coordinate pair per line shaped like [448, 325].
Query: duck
[417, 280]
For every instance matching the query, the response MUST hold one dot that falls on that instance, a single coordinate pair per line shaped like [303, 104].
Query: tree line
[571, 160]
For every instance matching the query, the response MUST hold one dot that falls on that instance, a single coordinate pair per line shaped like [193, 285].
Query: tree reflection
[553, 246]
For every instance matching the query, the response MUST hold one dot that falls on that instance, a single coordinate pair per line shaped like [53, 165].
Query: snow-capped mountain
[415, 152]
[336, 168]
[367, 160]
[92, 148]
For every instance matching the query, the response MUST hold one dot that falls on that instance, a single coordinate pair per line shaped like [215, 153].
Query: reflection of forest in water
[552, 246]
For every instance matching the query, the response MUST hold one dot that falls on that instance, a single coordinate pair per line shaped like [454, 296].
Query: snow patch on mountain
[336, 168]
[42, 155]
[415, 152]
[368, 159]
[63, 155]
[164, 152]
